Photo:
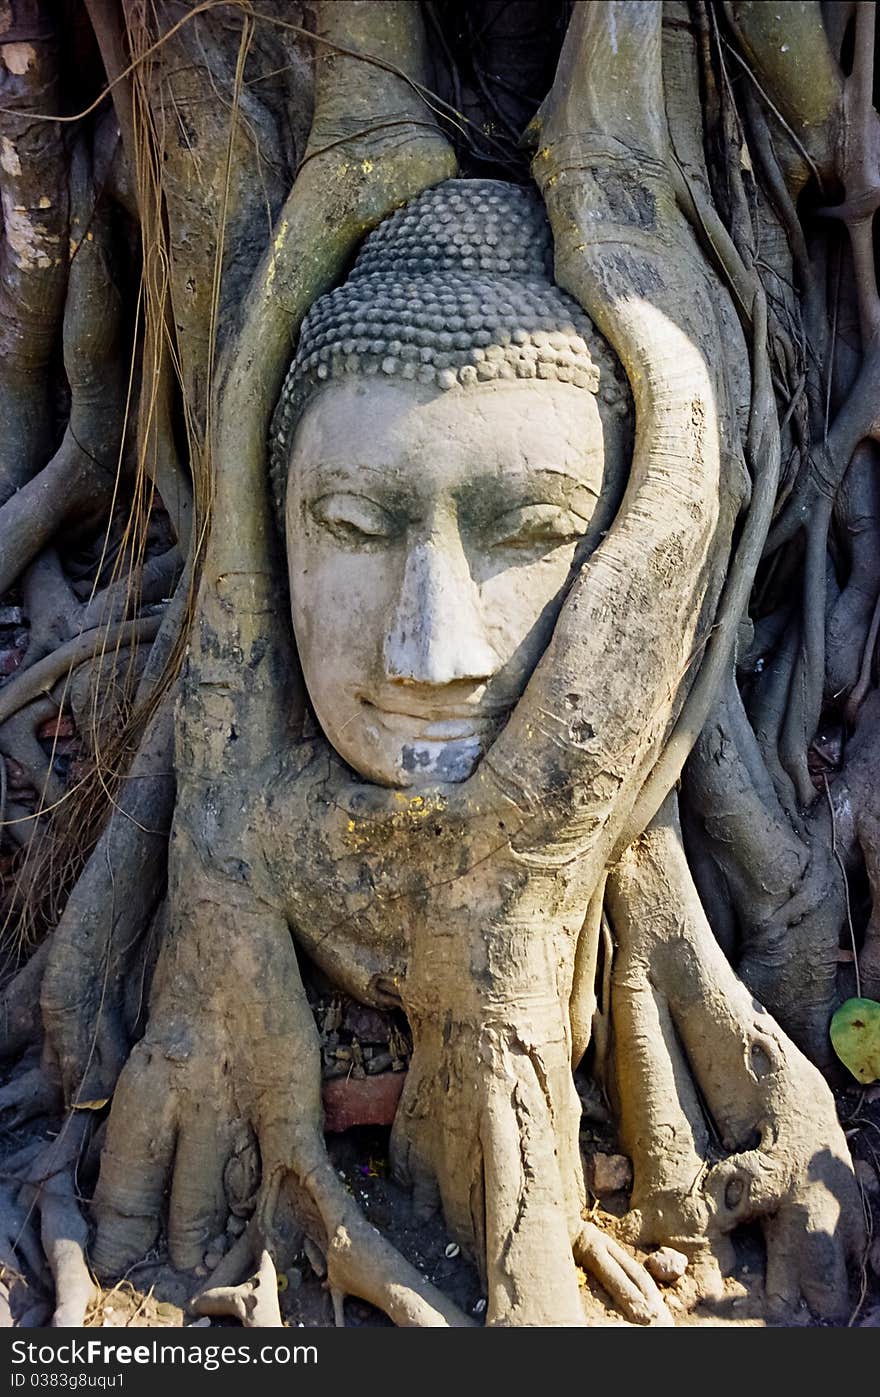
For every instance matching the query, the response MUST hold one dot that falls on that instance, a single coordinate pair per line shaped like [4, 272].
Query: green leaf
[855, 1037]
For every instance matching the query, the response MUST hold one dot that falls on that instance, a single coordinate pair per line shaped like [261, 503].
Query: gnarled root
[784, 885]
[64, 1233]
[29, 1094]
[206, 1084]
[748, 1125]
[624, 1278]
[488, 1124]
[353, 1257]
[20, 1022]
[361, 1262]
[255, 1302]
[98, 944]
[18, 1236]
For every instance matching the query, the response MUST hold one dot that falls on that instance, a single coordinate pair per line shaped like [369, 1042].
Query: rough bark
[729, 615]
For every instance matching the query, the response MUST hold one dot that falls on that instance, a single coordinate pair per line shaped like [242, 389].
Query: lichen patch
[26, 240]
[9, 160]
[18, 57]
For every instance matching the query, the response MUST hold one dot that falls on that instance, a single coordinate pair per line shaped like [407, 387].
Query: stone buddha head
[449, 446]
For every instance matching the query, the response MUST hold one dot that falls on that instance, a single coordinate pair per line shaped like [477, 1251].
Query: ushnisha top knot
[455, 288]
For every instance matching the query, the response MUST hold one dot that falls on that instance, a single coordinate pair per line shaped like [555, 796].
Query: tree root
[50, 1189]
[625, 1279]
[354, 1260]
[361, 1262]
[177, 1110]
[18, 740]
[65, 1235]
[41, 677]
[18, 1234]
[33, 252]
[57, 616]
[785, 888]
[254, 1302]
[749, 1125]
[20, 1022]
[29, 1094]
[97, 942]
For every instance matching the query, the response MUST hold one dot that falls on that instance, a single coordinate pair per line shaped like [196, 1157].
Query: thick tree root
[41, 678]
[33, 261]
[490, 1127]
[624, 1278]
[488, 1124]
[65, 1237]
[785, 887]
[20, 1021]
[354, 1259]
[97, 949]
[177, 1114]
[361, 1262]
[255, 1302]
[41, 1184]
[18, 1235]
[749, 1126]
[63, 1230]
[29, 1094]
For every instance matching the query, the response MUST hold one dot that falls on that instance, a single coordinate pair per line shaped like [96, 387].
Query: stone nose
[437, 636]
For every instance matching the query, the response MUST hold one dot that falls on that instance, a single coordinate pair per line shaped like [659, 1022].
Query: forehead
[411, 428]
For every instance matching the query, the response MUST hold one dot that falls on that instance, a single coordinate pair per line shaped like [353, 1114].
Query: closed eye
[353, 519]
[535, 525]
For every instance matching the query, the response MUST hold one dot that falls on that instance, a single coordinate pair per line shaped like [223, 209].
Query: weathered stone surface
[666, 1265]
[610, 1173]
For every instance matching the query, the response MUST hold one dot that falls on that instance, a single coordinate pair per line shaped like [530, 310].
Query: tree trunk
[662, 877]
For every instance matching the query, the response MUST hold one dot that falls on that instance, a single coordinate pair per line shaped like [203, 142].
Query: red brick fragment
[11, 659]
[352, 1101]
[61, 725]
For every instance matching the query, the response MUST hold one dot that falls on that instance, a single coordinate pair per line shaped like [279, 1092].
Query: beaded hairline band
[453, 289]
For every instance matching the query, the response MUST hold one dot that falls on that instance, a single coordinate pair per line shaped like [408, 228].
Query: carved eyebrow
[319, 477]
[569, 474]
[550, 484]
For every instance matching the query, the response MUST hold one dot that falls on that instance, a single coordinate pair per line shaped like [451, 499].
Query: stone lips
[454, 288]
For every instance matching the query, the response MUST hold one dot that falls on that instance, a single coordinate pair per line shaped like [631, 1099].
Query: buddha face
[430, 539]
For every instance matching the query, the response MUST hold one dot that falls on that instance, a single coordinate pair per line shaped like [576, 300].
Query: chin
[438, 763]
[413, 765]
[395, 750]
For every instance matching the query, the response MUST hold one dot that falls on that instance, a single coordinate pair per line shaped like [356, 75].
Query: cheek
[340, 610]
[520, 605]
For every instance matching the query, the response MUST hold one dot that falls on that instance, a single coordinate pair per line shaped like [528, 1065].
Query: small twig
[860, 689]
[836, 852]
[863, 1270]
[796, 141]
[144, 1301]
